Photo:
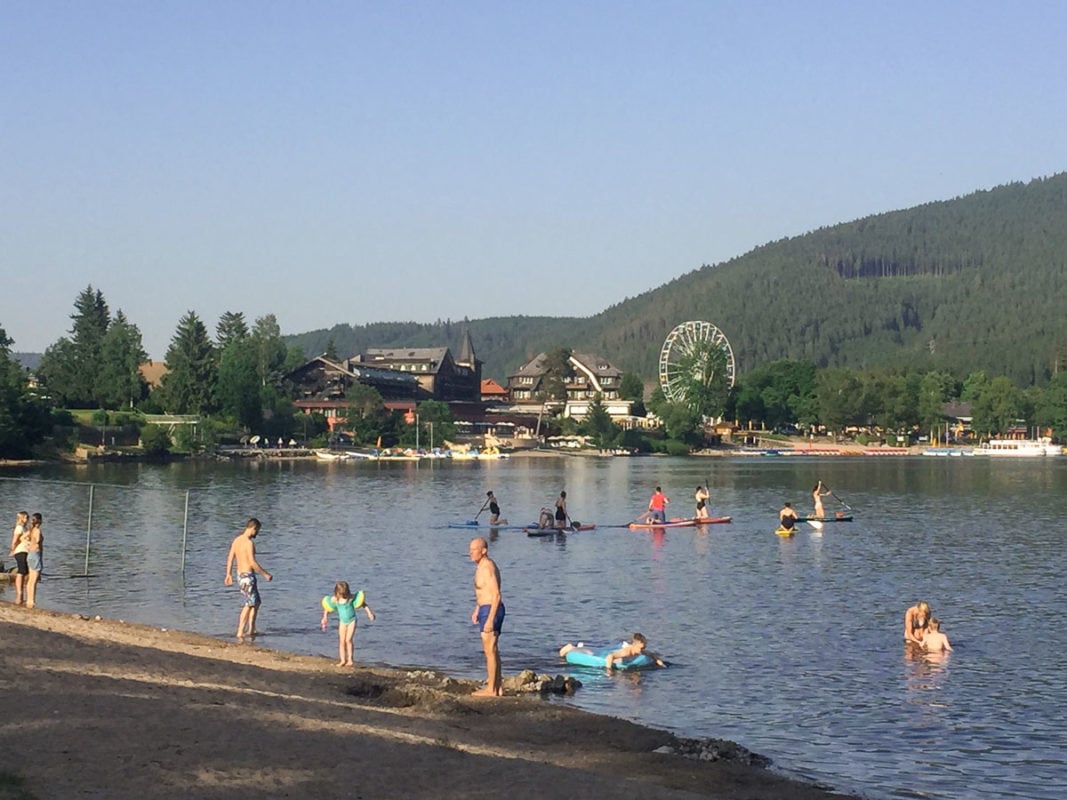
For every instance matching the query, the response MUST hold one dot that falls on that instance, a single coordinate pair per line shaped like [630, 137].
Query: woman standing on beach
[34, 559]
[20, 546]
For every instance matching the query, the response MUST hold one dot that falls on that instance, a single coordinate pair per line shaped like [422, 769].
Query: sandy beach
[105, 709]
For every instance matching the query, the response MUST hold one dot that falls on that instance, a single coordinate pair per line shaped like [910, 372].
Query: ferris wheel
[690, 354]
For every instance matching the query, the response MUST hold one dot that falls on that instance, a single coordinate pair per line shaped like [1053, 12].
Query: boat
[1019, 448]
[584, 657]
[329, 455]
[839, 517]
[678, 522]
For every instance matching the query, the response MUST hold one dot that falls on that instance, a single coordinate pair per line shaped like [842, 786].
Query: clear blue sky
[374, 161]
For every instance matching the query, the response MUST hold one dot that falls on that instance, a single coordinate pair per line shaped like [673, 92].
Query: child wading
[345, 605]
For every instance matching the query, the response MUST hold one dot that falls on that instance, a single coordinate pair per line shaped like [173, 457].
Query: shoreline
[113, 709]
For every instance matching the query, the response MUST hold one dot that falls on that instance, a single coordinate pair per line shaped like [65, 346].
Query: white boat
[1019, 448]
[329, 455]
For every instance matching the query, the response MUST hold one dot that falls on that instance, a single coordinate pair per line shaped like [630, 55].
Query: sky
[356, 162]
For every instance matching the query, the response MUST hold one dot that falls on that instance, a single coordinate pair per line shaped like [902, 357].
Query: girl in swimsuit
[34, 559]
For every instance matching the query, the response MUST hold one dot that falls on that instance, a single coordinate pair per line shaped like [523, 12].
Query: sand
[104, 709]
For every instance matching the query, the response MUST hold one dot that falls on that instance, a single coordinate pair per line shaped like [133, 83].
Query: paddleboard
[785, 531]
[535, 530]
[679, 523]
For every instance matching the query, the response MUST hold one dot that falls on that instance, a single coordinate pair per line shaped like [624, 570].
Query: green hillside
[977, 282]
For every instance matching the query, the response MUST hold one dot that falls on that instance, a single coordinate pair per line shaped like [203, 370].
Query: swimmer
[916, 620]
[635, 647]
[933, 640]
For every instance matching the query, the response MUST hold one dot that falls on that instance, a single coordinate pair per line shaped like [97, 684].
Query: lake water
[791, 647]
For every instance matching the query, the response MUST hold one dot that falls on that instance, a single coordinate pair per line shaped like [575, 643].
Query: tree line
[236, 381]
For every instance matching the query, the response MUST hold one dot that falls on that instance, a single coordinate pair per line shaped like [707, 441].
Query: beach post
[185, 529]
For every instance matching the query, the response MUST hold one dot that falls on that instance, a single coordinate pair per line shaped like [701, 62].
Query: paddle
[842, 502]
[474, 521]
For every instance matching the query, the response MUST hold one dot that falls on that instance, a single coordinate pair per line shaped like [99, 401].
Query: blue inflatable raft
[584, 657]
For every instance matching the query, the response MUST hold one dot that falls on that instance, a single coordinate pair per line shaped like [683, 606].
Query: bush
[673, 447]
[154, 440]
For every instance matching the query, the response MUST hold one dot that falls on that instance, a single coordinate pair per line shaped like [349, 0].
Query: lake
[792, 647]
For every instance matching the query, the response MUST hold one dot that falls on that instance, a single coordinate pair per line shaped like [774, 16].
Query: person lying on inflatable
[636, 647]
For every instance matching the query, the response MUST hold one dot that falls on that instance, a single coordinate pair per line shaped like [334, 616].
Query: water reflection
[790, 646]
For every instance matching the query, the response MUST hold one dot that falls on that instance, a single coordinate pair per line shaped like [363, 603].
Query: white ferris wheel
[685, 355]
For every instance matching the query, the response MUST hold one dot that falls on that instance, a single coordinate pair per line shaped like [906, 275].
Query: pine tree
[119, 384]
[230, 328]
[189, 386]
[70, 366]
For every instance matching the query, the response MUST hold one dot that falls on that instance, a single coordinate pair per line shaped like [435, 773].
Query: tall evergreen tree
[24, 420]
[119, 384]
[189, 386]
[70, 366]
[230, 328]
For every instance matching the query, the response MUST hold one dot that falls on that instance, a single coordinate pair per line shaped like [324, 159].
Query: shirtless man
[243, 554]
[488, 614]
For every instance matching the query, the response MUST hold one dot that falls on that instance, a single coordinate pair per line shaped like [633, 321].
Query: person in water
[817, 494]
[494, 510]
[933, 640]
[787, 517]
[636, 646]
[916, 621]
[242, 555]
[344, 604]
[702, 496]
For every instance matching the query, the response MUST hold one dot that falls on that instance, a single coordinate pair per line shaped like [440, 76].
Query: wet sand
[106, 709]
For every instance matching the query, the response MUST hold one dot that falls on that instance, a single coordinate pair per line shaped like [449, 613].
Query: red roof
[491, 387]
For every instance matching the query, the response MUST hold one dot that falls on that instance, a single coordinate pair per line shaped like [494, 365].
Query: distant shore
[101, 708]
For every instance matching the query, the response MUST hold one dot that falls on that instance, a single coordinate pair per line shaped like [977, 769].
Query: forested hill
[977, 282]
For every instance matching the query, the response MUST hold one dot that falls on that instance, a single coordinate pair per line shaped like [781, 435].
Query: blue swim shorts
[249, 589]
[34, 562]
[498, 620]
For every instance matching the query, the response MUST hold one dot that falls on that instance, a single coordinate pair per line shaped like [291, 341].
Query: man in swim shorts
[488, 614]
[243, 555]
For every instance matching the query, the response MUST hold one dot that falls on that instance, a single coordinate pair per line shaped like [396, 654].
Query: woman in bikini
[916, 620]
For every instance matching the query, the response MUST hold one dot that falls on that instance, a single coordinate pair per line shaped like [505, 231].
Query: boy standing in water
[933, 640]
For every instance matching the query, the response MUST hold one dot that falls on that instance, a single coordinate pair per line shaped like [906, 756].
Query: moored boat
[1019, 448]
